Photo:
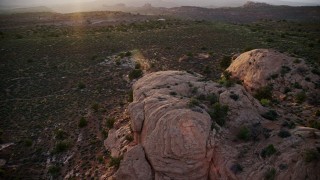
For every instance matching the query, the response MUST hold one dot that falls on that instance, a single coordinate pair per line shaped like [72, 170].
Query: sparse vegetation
[54, 170]
[28, 142]
[311, 155]
[110, 122]
[225, 62]
[219, 113]
[193, 102]
[129, 138]
[300, 97]
[271, 115]
[268, 151]
[265, 102]
[263, 93]
[81, 85]
[284, 134]
[60, 134]
[270, 174]
[235, 97]
[136, 73]
[82, 122]
[61, 146]
[115, 161]
[244, 134]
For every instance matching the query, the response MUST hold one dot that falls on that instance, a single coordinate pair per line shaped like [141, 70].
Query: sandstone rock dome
[176, 118]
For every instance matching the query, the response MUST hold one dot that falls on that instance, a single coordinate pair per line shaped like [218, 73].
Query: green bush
[297, 85]
[268, 151]
[54, 170]
[130, 96]
[115, 161]
[110, 122]
[193, 102]
[244, 134]
[137, 66]
[285, 70]
[265, 102]
[212, 98]
[28, 142]
[311, 155]
[314, 124]
[270, 174]
[81, 85]
[95, 107]
[136, 73]
[173, 93]
[219, 113]
[284, 134]
[82, 122]
[264, 93]
[300, 97]
[235, 97]
[61, 146]
[271, 115]
[225, 62]
[129, 138]
[60, 134]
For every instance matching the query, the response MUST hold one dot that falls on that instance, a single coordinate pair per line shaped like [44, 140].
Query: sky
[29, 3]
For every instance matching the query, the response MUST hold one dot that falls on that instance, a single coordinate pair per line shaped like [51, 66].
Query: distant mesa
[252, 4]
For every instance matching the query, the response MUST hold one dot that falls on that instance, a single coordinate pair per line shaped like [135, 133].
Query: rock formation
[181, 131]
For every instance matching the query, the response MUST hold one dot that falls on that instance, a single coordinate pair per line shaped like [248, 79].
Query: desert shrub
[297, 61]
[81, 85]
[317, 113]
[28, 142]
[137, 66]
[285, 70]
[271, 115]
[236, 168]
[265, 102]
[136, 73]
[95, 107]
[263, 93]
[173, 93]
[286, 90]
[297, 85]
[289, 124]
[129, 138]
[244, 134]
[311, 155]
[248, 49]
[190, 54]
[207, 70]
[128, 53]
[54, 170]
[100, 159]
[314, 124]
[193, 102]
[130, 96]
[82, 122]
[284, 134]
[316, 71]
[110, 122]
[300, 97]
[270, 174]
[219, 113]
[60, 134]
[115, 161]
[269, 40]
[61, 146]
[201, 97]
[268, 151]
[314, 98]
[212, 98]
[225, 62]
[104, 134]
[235, 97]
[19, 36]
[274, 76]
